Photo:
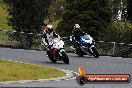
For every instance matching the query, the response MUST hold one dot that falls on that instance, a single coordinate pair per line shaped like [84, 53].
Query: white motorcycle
[57, 52]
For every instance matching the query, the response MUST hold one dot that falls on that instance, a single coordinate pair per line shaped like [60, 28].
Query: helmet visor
[50, 29]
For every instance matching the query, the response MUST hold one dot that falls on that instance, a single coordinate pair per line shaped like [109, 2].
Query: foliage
[118, 31]
[93, 16]
[3, 18]
[3, 21]
[55, 9]
[53, 22]
[119, 8]
[27, 16]
[129, 10]
[3, 36]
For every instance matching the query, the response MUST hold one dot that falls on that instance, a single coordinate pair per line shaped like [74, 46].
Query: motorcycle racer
[77, 33]
[48, 35]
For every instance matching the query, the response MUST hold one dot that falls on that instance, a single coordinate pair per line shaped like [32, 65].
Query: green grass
[13, 71]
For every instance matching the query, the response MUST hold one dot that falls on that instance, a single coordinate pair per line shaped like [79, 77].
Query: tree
[55, 9]
[119, 8]
[129, 10]
[93, 16]
[27, 16]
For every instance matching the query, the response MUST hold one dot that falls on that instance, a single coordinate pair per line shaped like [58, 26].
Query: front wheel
[95, 52]
[52, 59]
[65, 58]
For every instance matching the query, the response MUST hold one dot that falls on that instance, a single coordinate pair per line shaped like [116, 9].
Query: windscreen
[86, 37]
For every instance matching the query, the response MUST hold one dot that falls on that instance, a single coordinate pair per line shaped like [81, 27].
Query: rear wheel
[65, 58]
[95, 52]
[79, 52]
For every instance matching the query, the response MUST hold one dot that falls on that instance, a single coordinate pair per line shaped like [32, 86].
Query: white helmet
[49, 28]
[77, 26]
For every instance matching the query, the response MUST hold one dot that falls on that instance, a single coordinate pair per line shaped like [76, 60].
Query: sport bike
[85, 46]
[57, 52]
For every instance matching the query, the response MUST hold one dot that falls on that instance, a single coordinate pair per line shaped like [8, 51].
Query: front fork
[90, 49]
[61, 50]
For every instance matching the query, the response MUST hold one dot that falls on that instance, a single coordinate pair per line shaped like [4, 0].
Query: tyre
[79, 52]
[52, 59]
[65, 58]
[95, 52]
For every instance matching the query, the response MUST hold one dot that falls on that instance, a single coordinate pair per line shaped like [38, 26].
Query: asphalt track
[101, 65]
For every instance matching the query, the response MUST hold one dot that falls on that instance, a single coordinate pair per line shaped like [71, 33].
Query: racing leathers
[47, 37]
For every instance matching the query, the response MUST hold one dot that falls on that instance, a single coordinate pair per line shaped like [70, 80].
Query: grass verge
[13, 71]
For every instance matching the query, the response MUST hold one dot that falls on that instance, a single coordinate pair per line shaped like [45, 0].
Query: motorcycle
[85, 46]
[57, 52]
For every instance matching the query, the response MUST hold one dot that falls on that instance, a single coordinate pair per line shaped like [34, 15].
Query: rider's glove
[49, 46]
[71, 38]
